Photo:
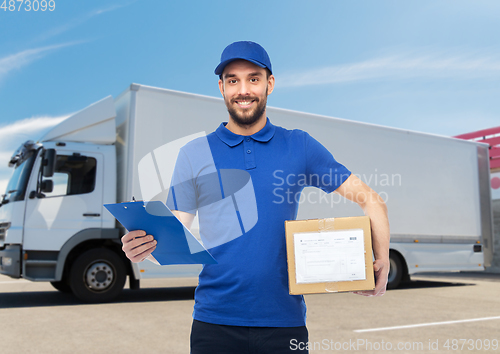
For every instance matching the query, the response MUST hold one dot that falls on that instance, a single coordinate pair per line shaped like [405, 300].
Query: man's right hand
[137, 245]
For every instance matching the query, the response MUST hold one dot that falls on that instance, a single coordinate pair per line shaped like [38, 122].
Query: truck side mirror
[47, 186]
[49, 163]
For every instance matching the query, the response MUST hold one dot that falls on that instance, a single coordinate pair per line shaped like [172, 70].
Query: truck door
[74, 204]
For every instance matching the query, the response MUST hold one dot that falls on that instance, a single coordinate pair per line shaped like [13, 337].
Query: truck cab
[52, 223]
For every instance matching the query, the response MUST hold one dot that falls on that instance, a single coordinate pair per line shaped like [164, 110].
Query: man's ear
[270, 84]
[221, 87]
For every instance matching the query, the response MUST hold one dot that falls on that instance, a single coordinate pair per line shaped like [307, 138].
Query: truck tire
[62, 286]
[396, 270]
[97, 275]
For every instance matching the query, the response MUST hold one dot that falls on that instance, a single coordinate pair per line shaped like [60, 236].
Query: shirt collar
[231, 139]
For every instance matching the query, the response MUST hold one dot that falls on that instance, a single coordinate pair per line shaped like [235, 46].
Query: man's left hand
[381, 270]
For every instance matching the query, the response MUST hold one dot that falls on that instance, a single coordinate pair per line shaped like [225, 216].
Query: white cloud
[28, 128]
[458, 66]
[18, 60]
[78, 21]
[5, 156]
[449, 124]
[14, 134]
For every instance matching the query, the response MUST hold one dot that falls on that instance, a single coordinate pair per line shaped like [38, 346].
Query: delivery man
[242, 304]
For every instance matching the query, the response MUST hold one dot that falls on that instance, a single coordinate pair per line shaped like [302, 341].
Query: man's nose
[243, 88]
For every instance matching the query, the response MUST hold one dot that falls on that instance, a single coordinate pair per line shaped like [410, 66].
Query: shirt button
[249, 151]
[248, 139]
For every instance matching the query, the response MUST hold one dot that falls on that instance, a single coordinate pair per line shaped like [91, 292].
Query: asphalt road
[443, 313]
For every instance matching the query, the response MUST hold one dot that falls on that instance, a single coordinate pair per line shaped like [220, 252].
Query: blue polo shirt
[243, 189]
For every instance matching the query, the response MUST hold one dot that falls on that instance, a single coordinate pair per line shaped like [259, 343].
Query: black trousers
[209, 338]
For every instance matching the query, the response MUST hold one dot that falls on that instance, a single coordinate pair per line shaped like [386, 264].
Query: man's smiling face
[245, 87]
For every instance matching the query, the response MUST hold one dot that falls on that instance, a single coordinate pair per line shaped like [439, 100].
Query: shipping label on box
[329, 255]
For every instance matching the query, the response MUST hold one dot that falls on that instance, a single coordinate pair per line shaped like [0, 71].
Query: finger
[135, 234]
[138, 246]
[139, 253]
[132, 235]
[377, 290]
[364, 293]
[142, 256]
[144, 246]
[137, 241]
[380, 286]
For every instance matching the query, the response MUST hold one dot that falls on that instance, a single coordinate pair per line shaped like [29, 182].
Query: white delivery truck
[53, 226]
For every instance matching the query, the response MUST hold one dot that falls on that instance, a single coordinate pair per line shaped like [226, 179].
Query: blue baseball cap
[249, 51]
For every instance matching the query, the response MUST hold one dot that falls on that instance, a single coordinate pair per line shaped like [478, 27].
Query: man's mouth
[245, 103]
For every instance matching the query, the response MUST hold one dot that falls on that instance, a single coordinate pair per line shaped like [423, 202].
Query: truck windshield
[16, 189]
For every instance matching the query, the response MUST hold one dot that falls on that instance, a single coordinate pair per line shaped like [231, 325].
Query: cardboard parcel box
[329, 255]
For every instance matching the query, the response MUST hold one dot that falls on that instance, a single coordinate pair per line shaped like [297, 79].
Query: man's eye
[232, 81]
[254, 79]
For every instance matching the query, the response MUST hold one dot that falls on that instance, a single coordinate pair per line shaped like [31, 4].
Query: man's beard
[247, 118]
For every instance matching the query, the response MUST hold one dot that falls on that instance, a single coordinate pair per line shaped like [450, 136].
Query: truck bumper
[10, 261]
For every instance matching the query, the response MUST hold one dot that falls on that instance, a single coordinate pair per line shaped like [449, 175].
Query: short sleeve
[182, 192]
[323, 170]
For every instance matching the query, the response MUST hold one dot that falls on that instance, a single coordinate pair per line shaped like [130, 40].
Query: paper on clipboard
[175, 243]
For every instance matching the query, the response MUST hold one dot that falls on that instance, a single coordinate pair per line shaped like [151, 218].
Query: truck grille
[3, 230]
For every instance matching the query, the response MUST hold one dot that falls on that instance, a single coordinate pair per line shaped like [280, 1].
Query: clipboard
[175, 243]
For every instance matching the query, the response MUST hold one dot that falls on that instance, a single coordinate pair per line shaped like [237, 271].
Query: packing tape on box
[332, 287]
[325, 224]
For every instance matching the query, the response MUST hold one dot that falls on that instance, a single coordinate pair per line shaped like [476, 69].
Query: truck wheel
[396, 270]
[62, 286]
[97, 275]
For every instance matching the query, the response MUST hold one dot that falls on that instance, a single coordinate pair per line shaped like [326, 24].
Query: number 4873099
[28, 5]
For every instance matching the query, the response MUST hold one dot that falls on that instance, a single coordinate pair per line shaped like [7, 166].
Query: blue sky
[425, 65]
